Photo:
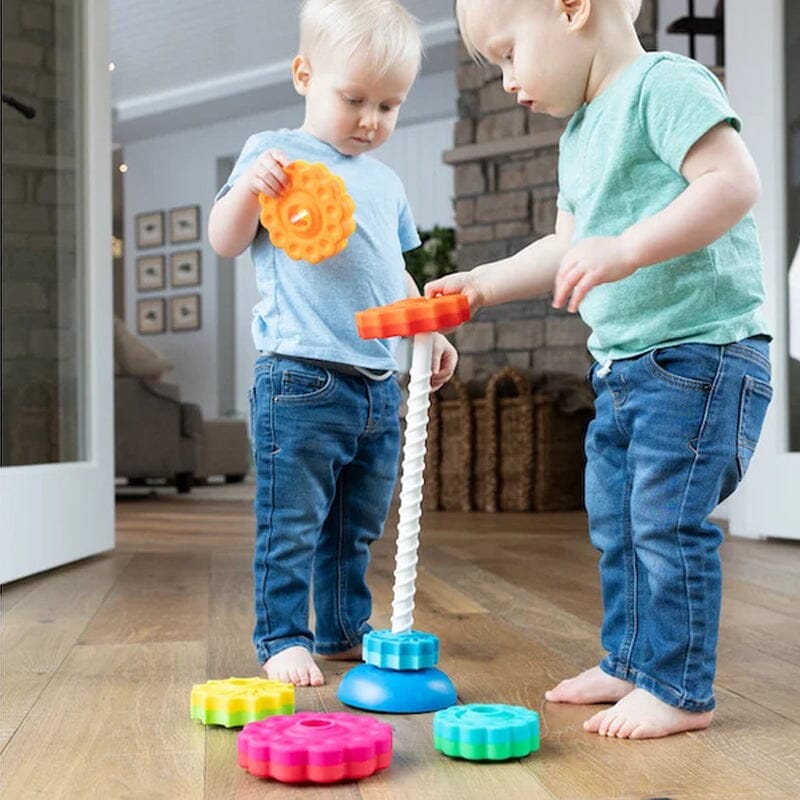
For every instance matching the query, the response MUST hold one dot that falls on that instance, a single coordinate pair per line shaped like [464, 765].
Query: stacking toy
[416, 315]
[399, 674]
[486, 732]
[312, 219]
[315, 748]
[237, 701]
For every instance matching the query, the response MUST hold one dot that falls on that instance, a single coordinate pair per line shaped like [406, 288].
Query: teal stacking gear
[399, 675]
[413, 650]
[481, 732]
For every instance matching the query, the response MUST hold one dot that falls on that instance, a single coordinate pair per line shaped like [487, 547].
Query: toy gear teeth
[312, 219]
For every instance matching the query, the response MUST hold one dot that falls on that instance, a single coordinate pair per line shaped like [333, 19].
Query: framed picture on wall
[184, 224]
[150, 229]
[185, 268]
[150, 273]
[151, 316]
[185, 312]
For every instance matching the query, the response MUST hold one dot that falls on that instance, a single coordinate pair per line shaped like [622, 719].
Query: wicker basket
[484, 480]
[454, 447]
[562, 406]
[518, 448]
[513, 421]
[503, 428]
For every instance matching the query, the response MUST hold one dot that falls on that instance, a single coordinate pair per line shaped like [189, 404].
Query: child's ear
[576, 12]
[301, 74]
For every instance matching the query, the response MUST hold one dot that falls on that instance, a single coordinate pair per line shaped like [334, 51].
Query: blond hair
[381, 31]
[634, 8]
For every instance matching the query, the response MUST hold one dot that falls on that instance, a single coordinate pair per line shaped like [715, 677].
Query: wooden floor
[98, 660]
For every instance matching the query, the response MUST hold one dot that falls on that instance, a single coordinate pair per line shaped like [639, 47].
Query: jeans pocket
[685, 366]
[304, 383]
[753, 403]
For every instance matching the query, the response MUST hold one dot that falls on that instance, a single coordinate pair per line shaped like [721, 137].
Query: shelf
[502, 147]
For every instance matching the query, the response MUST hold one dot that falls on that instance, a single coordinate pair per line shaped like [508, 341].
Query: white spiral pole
[405, 573]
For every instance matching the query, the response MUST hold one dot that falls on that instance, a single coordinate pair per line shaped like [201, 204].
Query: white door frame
[52, 514]
[768, 502]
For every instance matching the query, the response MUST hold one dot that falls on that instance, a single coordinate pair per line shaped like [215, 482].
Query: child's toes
[639, 732]
[615, 726]
[316, 678]
[627, 729]
[605, 724]
[556, 693]
[592, 724]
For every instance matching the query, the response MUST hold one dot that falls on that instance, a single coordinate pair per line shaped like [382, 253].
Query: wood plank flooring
[98, 659]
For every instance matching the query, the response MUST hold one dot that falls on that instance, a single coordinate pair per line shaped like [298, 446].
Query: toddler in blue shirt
[324, 404]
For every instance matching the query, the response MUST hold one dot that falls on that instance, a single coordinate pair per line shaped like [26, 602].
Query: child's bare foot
[591, 686]
[294, 665]
[641, 715]
[353, 654]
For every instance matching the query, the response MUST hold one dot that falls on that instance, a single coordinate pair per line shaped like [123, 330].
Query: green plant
[434, 258]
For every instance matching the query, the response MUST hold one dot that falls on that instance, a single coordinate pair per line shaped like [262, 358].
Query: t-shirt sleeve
[562, 201]
[680, 102]
[253, 147]
[406, 227]
[564, 204]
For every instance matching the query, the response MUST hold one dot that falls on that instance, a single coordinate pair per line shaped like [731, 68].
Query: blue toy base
[397, 691]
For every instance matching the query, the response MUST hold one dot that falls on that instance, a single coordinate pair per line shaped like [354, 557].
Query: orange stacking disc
[312, 219]
[414, 315]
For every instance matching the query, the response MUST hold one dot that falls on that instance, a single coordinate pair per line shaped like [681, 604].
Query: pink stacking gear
[315, 748]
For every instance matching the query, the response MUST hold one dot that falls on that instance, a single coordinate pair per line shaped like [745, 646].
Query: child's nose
[511, 85]
[369, 119]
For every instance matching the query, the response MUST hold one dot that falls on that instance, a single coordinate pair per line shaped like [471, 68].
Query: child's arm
[233, 221]
[723, 186]
[526, 274]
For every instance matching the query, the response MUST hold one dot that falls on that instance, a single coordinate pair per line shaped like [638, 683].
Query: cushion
[132, 357]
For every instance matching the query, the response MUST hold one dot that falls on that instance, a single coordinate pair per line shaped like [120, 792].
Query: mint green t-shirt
[620, 163]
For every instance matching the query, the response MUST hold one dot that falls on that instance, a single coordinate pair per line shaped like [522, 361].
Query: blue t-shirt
[308, 310]
[620, 162]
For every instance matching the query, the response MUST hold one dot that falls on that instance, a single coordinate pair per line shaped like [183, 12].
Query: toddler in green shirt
[656, 248]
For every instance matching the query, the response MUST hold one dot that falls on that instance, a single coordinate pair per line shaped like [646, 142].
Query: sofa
[156, 436]
[161, 437]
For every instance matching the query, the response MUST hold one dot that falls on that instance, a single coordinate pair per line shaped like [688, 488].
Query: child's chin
[559, 113]
[353, 148]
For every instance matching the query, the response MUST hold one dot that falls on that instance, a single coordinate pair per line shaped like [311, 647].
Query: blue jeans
[326, 447]
[673, 435]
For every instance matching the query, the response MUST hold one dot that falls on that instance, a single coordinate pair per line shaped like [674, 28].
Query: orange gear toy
[312, 219]
[412, 316]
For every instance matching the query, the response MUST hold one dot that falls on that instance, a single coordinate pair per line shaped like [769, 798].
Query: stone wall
[39, 242]
[505, 162]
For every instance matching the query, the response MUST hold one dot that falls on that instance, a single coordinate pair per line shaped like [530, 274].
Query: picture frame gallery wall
[174, 267]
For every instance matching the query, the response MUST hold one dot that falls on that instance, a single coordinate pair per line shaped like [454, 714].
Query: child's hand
[266, 173]
[601, 259]
[444, 362]
[463, 282]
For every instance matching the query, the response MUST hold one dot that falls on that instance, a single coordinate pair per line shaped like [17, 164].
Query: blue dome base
[397, 691]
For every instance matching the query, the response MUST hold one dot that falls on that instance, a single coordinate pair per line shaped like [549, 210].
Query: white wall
[180, 169]
[766, 504]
